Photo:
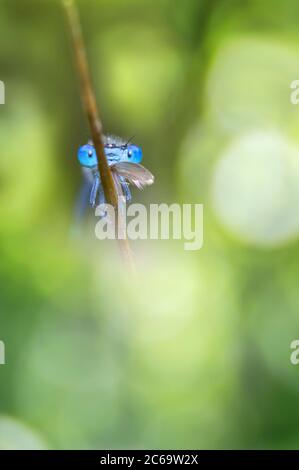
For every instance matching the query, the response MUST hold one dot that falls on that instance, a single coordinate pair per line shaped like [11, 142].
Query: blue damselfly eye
[87, 156]
[134, 154]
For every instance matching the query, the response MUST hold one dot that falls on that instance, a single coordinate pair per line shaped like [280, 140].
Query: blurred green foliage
[194, 351]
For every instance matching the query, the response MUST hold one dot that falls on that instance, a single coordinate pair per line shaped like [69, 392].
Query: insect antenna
[124, 146]
[130, 140]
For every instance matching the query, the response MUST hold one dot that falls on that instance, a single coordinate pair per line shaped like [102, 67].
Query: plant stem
[92, 113]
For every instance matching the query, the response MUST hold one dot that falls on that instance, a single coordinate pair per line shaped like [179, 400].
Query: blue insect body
[124, 160]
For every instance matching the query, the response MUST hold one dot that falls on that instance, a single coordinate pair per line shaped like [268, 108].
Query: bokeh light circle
[255, 188]
[14, 435]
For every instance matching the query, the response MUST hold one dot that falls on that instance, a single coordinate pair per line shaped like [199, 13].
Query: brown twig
[92, 113]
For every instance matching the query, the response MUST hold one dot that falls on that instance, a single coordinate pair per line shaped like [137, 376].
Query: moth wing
[134, 173]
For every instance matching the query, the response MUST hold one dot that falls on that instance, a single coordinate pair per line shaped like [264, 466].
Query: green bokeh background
[194, 351]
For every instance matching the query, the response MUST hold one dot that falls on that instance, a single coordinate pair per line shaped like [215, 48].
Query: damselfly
[124, 160]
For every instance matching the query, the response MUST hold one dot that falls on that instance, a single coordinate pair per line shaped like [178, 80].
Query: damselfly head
[119, 150]
[87, 156]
